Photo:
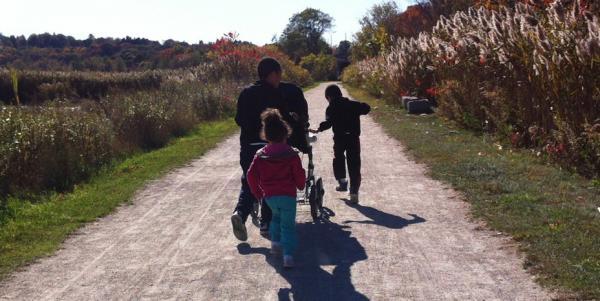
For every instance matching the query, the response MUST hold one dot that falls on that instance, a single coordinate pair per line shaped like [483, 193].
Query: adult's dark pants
[246, 200]
[346, 149]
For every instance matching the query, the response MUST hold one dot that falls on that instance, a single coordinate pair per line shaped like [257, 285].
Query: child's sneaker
[288, 261]
[343, 185]
[239, 229]
[354, 198]
[276, 248]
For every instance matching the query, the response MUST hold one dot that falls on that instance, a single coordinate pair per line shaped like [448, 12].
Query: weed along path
[410, 238]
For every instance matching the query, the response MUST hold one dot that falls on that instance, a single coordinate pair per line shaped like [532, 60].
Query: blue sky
[257, 21]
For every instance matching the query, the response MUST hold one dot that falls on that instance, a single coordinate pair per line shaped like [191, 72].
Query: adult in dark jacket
[343, 115]
[267, 92]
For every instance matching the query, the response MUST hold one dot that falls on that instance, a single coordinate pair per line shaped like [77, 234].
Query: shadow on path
[321, 245]
[380, 218]
[327, 246]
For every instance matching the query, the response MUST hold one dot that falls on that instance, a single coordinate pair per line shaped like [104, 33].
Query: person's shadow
[320, 244]
[327, 244]
[380, 218]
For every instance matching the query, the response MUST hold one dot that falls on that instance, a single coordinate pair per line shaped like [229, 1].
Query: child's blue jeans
[283, 223]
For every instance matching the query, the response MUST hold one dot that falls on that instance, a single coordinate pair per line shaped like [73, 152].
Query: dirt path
[410, 238]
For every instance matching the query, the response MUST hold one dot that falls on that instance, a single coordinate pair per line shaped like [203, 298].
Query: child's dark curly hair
[274, 128]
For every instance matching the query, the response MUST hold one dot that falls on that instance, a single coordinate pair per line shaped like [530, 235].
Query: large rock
[420, 106]
[406, 99]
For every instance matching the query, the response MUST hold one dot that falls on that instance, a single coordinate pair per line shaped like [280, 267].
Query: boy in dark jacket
[343, 115]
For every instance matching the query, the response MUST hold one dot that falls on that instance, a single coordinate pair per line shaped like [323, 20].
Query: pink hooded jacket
[276, 171]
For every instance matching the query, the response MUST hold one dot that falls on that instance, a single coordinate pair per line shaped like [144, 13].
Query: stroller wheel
[320, 193]
[313, 201]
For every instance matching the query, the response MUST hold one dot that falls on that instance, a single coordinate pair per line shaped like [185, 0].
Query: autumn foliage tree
[304, 34]
[377, 31]
[238, 57]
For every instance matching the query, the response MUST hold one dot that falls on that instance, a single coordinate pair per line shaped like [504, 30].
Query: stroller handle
[258, 144]
[310, 139]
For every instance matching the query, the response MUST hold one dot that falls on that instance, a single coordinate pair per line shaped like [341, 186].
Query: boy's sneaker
[354, 198]
[342, 186]
[276, 248]
[239, 229]
[288, 261]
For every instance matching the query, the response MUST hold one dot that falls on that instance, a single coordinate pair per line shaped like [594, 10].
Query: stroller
[313, 192]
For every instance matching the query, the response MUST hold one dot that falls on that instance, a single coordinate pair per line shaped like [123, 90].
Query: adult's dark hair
[333, 91]
[267, 66]
[274, 128]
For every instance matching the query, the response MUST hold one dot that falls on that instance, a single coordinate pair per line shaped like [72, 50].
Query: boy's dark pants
[246, 200]
[347, 148]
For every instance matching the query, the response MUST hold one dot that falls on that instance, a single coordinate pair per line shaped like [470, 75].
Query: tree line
[302, 40]
[60, 52]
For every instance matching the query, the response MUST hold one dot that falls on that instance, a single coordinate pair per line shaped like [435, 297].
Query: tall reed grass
[55, 145]
[529, 75]
[73, 123]
[36, 87]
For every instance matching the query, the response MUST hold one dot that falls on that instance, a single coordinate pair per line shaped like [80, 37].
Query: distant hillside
[59, 52]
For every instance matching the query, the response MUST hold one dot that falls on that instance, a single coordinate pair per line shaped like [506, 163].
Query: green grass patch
[551, 212]
[36, 226]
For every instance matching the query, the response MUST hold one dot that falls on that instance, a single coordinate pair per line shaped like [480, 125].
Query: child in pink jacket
[275, 175]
